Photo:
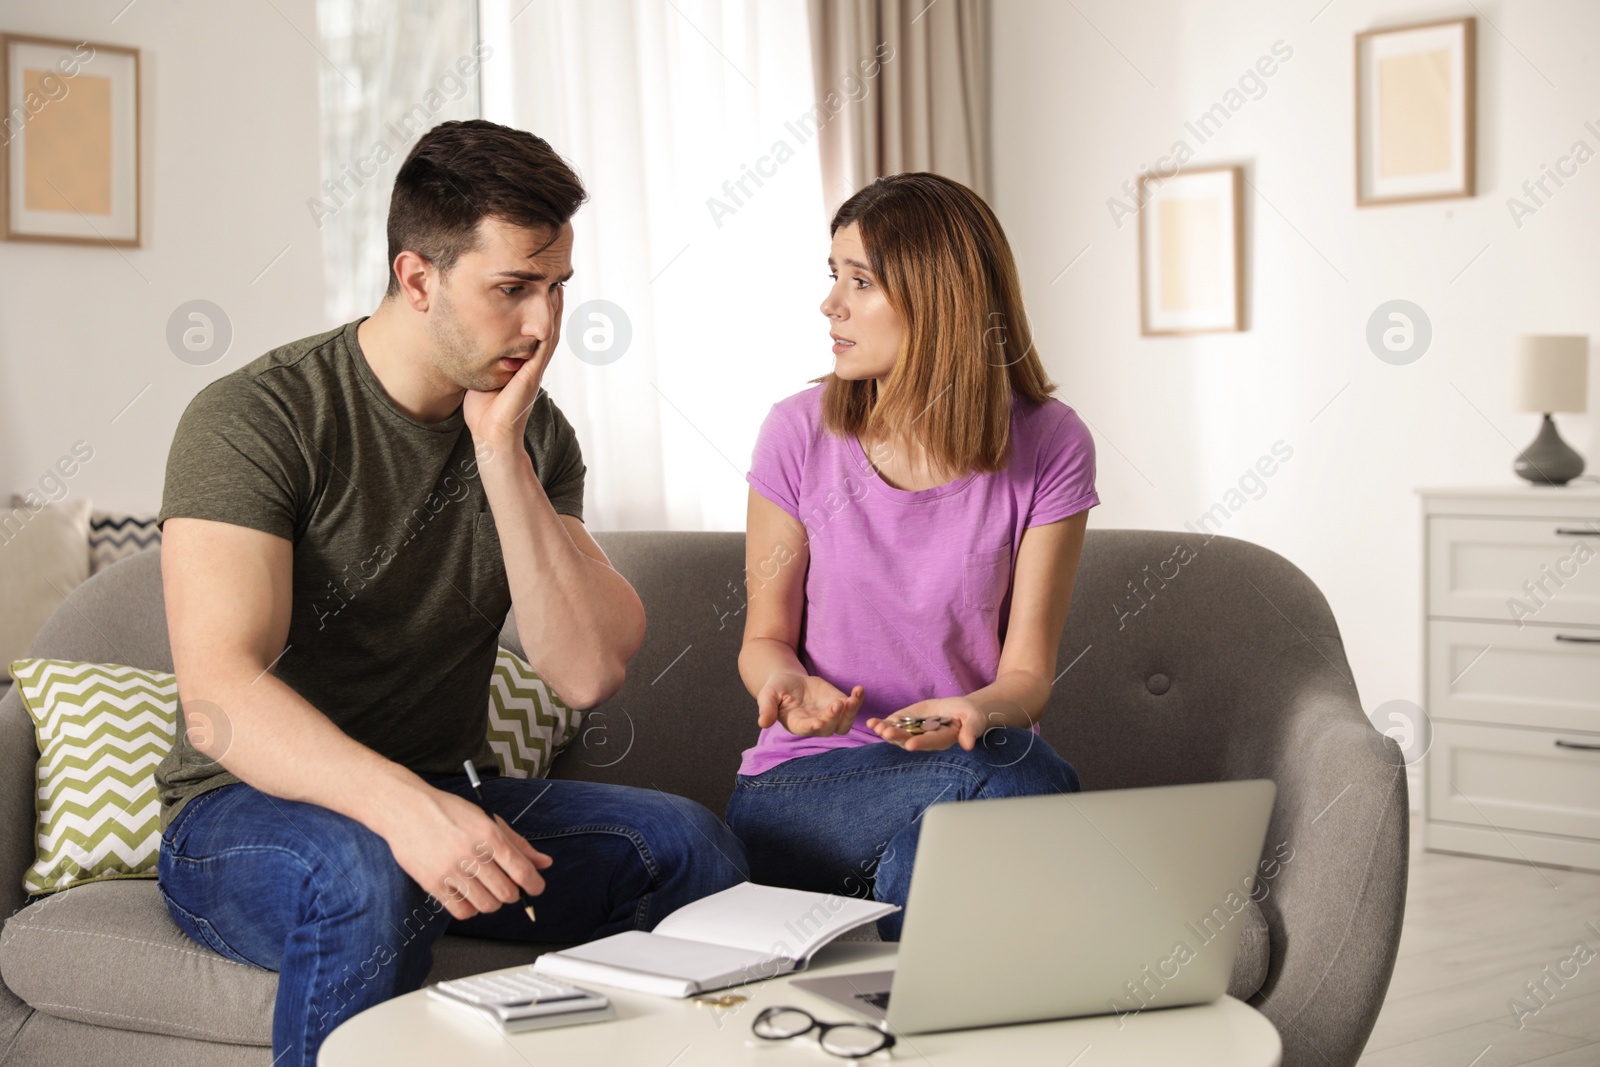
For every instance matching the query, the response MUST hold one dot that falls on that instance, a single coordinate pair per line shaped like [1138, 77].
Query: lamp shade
[1550, 372]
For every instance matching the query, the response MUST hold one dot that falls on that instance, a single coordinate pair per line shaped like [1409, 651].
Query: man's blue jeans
[846, 821]
[317, 896]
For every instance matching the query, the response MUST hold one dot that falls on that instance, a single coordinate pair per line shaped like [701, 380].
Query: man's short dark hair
[459, 172]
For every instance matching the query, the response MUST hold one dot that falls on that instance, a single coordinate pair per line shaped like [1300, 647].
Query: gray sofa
[1225, 666]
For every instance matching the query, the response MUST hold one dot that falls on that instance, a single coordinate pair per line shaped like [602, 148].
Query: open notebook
[739, 935]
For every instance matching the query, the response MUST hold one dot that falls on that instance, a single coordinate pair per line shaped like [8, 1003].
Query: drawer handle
[1563, 531]
[1579, 640]
[1577, 744]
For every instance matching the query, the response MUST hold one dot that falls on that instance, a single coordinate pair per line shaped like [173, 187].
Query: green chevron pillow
[528, 723]
[101, 730]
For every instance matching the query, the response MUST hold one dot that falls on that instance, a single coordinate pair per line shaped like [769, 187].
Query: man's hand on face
[534, 306]
[498, 417]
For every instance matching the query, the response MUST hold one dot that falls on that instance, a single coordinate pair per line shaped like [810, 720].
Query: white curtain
[393, 70]
[691, 123]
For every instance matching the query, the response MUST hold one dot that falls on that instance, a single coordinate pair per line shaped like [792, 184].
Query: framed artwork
[69, 141]
[1191, 258]
[1416, 112]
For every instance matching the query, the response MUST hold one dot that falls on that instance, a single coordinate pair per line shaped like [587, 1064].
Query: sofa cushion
[101, 729]
[109, 953]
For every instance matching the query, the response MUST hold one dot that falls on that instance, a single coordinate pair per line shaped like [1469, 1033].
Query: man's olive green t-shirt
[400, 590]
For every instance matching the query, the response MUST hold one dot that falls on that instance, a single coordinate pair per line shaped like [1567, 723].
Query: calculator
[522, 1000]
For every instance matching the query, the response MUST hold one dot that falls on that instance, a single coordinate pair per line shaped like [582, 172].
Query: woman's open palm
[806, 705]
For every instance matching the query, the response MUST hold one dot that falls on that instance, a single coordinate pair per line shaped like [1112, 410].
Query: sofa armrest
[17, 758]
[18, 755]
[1342, 809]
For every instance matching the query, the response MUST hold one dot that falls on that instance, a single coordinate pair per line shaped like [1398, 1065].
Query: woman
[915, 523]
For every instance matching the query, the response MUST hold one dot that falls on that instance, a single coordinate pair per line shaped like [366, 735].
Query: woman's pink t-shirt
[908, 591]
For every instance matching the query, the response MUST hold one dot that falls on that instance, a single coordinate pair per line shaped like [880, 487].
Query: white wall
[230, 155]
[1082, 101]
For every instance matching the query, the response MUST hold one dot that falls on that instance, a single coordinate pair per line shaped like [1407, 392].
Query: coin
[913, 725]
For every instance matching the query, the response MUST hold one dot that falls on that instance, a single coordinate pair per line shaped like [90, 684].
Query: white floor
[1476, 931]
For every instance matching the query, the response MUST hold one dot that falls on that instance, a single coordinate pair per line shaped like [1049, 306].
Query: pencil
[472, 776]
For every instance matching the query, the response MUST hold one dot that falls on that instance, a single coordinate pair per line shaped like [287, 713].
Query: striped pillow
[114, 536]
[528, 723]
[102, 728]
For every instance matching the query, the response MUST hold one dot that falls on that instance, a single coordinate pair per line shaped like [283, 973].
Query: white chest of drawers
[1511, 675]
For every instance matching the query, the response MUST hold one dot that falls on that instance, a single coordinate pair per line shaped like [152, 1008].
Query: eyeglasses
[850, 1040]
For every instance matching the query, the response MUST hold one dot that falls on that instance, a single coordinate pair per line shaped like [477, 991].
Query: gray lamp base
[1549, 460]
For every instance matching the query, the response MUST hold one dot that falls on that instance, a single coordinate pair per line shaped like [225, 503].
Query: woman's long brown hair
[946, 268]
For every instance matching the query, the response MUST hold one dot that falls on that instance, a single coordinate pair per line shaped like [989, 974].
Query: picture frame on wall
[1416, 112]
[69, 141]
[1191, 252]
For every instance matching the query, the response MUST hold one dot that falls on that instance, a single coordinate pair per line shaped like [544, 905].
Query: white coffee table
[419, 1030]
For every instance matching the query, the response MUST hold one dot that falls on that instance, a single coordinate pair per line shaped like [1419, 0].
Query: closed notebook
[739, 935]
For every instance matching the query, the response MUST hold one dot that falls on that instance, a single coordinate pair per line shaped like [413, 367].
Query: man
[347, 521]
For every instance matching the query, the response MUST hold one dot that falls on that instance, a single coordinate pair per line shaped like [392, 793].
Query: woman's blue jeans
[846, 821]
[317, 896]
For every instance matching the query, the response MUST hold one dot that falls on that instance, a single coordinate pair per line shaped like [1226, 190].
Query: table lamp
[1550, 372]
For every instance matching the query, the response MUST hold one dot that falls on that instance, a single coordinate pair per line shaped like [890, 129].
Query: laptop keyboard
[877, 1000]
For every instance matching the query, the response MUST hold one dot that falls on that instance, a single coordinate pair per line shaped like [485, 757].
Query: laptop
[1051, 907]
